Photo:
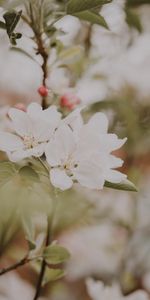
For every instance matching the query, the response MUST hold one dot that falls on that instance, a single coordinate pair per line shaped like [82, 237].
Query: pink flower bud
[43, 91]
[69, 101]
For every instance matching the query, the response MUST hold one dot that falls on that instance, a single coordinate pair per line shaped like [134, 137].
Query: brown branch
[43, 266]
[21, 263]
[40, 50]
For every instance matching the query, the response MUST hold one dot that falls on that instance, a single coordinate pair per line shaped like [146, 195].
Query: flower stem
[43, 164]
[41, 49]
[43, 266]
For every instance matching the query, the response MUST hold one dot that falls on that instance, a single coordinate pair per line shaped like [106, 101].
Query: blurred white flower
[5, 123]
[98, 291]
[96, 250]
[85, 157]
[91, 90]
[113, 205]
[110, 43]
[146, 281]
[58, 80]
[114, 15]
[12, 287]
[70, 26]
[143, 203]
[21, 74]
[33, 129]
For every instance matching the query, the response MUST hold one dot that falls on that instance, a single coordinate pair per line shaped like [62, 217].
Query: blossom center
[29, 142]
[70, 163]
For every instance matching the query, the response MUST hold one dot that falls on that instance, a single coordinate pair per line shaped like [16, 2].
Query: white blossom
[18, 288]
[95, 250]
[5, 123]
[32, 130]
[98, 90]
[83, 153]
[98, 291]
[71, 26]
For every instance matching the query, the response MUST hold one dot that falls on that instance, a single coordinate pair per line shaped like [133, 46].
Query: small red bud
[69, 101]
[64, 101]
[43, 91]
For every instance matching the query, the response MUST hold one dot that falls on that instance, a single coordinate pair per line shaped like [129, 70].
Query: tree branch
[43, 266]
[21, 263]
[40, 50]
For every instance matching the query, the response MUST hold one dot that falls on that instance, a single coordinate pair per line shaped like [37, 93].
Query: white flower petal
[58, 150]
[114, 162]
[52, 115]
[41, 130]
[98, 123]
[21, 122]
[104, 143]
[38, 150]
[10, 142]
[17, 156]
[139, 295]
[115, 176]
[94, 130]
[49, 115]
[60, 179]
[45, 123]
[74, 121]
[89, 175]
[112, 142]
[20, 154]
[34, 109]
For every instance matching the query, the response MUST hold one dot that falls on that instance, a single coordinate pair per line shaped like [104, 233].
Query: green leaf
[55, 254]
[137, 2]
[13, 37]
[9, 217]
[91, 17]
[2, 25]
[11, 18]
[10, 4]
[67, 212]
[125, 185]
[75, 6]
[28, 174]
[52, 275]
[2, 3]
[14, 3]
[29, 230]
[22, 194]
[70, 55]
[133, 20]
[8, 170]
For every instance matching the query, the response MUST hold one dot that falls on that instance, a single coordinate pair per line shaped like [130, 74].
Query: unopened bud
[69, 101]
[43, 91]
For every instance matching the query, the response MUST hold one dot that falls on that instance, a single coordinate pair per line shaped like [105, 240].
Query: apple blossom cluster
[74, 151]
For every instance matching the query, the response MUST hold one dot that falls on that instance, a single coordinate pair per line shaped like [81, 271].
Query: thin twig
[21, 263]
[43, 266]
[40, 50]
[43, 164]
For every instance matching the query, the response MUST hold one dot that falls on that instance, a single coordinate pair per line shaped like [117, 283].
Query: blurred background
[106, 232]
